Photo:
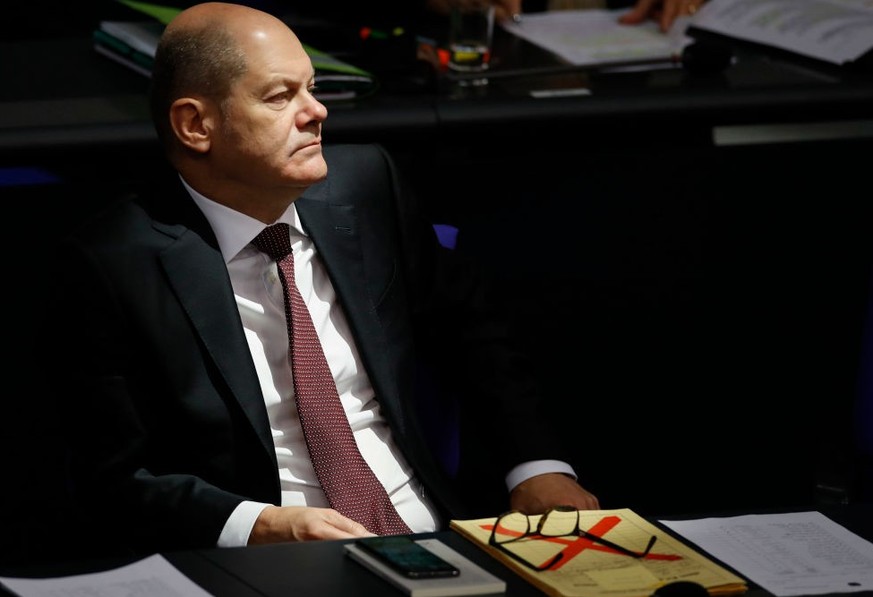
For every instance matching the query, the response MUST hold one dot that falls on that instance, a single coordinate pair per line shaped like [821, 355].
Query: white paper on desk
[801, 553]
[153, 576]
[595, 37]
[837, 31]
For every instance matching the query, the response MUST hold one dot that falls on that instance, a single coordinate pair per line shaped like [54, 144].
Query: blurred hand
[665, 12]
[539, 493]
[503, 9]
[299, 523]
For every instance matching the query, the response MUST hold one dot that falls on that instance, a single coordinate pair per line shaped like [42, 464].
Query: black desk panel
[323, 569]
[59, 94]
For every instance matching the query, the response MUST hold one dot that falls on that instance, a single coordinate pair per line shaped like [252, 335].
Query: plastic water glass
[471, 30]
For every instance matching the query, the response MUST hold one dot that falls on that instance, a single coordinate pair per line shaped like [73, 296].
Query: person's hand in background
[503, 9]
[665, 12]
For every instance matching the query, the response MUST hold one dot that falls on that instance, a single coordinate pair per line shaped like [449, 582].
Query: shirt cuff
[526, 470]
[239, 525]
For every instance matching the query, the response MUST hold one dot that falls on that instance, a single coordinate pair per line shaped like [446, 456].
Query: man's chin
[309, 163]
[308, 173]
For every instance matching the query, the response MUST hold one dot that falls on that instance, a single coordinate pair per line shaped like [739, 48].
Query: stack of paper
[836, 31]
[131, 43]
[593, 37]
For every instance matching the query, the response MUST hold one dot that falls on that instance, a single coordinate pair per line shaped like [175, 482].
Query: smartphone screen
[407, 557]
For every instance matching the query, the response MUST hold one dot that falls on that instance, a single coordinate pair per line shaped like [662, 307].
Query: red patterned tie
[347, 480]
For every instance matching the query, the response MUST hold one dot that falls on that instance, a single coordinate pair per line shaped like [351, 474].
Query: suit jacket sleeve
[151, 376]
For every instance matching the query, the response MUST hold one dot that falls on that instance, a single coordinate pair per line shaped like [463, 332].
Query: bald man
[175, 385]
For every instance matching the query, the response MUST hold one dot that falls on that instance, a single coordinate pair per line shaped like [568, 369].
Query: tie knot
[274, 240]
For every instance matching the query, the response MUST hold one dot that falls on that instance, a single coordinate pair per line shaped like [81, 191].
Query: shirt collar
[234, 230]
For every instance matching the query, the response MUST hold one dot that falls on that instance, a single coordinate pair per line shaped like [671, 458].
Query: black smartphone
[407, 557]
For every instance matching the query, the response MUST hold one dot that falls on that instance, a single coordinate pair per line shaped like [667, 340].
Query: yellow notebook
[588, 568]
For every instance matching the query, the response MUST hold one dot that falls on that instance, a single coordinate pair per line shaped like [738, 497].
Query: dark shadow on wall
[43, 197]
[695, 314]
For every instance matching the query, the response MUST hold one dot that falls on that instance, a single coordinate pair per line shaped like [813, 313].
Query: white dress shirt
[260, 300]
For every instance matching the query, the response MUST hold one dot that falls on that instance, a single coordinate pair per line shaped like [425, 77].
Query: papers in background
[837, 31]
[595, 37]
[131, 43]
[134, 43]
[803, 553]
[153, 576]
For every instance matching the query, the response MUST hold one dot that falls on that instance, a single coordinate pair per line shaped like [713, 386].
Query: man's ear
[191, 124]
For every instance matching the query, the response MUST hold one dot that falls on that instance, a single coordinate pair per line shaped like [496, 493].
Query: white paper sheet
[802, 553]
[837, 31]
[595, 37]
[153, 576]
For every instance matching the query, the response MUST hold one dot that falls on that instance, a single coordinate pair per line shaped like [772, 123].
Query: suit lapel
[197, 273]
[334, 230]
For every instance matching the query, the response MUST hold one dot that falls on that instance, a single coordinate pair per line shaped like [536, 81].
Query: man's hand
[665, 12]
[299, 523]
[503, 9]
[539, 493]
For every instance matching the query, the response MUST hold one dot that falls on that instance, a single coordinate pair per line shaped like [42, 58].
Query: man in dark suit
[173, 378]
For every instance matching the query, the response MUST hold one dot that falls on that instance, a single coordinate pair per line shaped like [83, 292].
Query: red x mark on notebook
[574, 545]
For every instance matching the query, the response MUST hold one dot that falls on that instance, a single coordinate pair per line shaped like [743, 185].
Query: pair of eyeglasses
[560, 521]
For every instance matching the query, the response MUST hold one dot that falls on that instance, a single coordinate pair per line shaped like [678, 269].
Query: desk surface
[322, 568]
[282, 570]
[59, 93]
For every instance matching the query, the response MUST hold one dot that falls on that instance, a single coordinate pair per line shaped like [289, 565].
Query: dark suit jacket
[167, 426]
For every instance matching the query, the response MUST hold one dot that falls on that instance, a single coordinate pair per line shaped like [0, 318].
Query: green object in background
[320, 60]
[133, 43]
[164, 14]
[324, 61]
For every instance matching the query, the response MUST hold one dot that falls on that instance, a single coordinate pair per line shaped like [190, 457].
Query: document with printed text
[802, 553]
[153, 576]
[837, 31]
[594, 37]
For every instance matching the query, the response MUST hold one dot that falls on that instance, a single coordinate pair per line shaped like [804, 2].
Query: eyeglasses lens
[511, 527]
[558, 523]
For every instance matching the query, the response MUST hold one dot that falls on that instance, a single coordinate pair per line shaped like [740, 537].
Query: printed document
[802, 553]
[837, 31]
[595, 37]
[153, 576]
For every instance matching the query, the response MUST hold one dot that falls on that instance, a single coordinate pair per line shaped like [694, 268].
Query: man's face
[270, 133]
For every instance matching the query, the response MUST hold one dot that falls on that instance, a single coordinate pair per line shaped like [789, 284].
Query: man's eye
[279, 97]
